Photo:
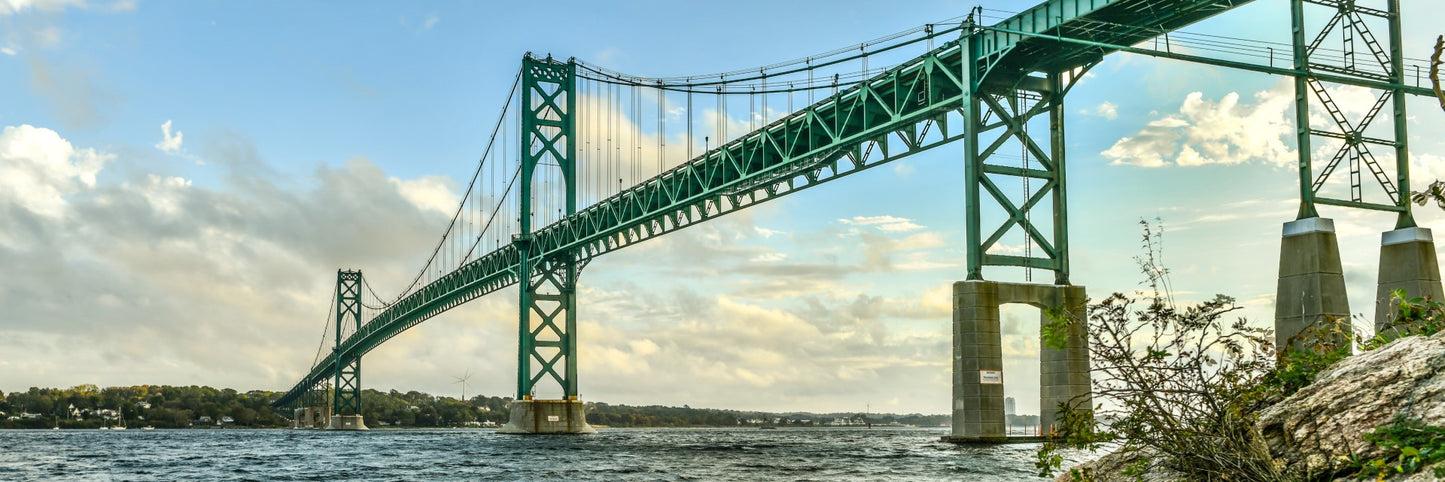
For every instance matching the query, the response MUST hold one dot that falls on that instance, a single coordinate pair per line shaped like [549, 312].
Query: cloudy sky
[179, 182]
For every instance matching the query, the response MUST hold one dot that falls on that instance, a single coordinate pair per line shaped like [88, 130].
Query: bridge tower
[547, 321]
[346, 389]
[998, 105]
[1311, 288]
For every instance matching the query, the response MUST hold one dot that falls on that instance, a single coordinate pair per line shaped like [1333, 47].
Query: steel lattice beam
[1354, 143]
[346, 399]
[547, 318]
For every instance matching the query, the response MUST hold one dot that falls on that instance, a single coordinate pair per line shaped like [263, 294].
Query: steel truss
[1349, 20]
[1004, 109]
[547, 303]
[903, 111]
[346, 399]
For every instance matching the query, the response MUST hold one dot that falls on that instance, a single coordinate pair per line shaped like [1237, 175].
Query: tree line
[165, 406]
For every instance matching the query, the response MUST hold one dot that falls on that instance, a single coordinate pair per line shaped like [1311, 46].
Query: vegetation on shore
[88, 406]
[1181, 389]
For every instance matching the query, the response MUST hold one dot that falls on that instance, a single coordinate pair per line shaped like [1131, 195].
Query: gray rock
[1314, 431]
[1110, 468]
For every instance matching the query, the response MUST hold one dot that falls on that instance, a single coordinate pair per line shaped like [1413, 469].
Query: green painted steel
[896, 114]
[1309, 79]
[346, 399]
[900, 112]
[1406, 219]
[549, 294]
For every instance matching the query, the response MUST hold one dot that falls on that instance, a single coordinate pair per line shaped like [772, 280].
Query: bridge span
[573, 171]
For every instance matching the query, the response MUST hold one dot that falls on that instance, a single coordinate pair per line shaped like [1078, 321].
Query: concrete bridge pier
[1407, 262]
[1311, 290]
[310, 418]
[978, 412]
[347, 422]
[547, 417]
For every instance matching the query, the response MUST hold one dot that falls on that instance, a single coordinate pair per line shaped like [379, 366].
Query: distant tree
[1435, 69]
[1434, 192]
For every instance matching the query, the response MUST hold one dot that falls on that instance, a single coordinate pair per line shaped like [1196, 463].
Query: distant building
[1008, 406]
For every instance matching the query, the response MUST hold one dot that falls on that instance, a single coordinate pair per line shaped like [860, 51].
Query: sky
[179, 182]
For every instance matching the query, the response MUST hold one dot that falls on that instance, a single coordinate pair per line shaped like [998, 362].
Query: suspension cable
[331, 308]
[490, 142]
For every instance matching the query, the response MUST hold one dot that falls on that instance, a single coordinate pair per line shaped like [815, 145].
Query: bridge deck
[818, 143]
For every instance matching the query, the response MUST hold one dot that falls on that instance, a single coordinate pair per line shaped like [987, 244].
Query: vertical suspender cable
[688, 114]
[1022, 111]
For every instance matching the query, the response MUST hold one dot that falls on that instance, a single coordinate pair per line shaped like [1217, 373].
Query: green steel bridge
[575, 169]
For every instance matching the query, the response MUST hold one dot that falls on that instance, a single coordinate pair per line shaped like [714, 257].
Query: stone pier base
[1407, 262]
[978, 414]
[310, 418]
[1311, 290]
[347, 422]
[547, 417]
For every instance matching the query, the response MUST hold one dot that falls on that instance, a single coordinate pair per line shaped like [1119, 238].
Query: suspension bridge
[584, 160]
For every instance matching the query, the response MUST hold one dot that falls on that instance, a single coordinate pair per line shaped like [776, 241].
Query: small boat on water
[121, 417]
[147, 427]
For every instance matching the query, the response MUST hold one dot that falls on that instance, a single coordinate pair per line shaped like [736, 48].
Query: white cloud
[903, 169]
[1107, 110]
[771, 257]
[1214, 132]
[768, 233]
[431, 192]
[430, 21]
[170, 143]
[8, 50]
[152, 249]
[165, 194]
[38, 169]
[886, 223]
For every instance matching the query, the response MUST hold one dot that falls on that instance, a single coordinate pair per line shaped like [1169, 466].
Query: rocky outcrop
[1112, 467]
[1312, 434]
[1314, 431]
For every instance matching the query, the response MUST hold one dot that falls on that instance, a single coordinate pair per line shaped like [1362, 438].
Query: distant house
[143, 405]
[204, 421]
[226, 420]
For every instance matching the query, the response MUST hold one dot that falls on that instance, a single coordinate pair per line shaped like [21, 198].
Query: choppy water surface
[612, 454]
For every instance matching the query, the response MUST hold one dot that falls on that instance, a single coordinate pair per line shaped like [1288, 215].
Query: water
[612, 454]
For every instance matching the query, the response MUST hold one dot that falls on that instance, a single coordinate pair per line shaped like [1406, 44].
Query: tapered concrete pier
[547, 417]
[1311, 290]
[310, 418]
[978, 377]
[1407, 262]
[347, 422]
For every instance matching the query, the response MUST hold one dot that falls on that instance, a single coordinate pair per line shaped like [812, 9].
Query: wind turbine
[463, 380]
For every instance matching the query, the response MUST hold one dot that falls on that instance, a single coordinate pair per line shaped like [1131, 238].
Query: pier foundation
[1407, 262]
[547, 417]
[310, 418]
[978, 411]
[1311, 290]
[347, 422]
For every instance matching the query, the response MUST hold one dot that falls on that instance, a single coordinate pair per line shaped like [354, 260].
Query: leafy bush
[1418, 446]
[1181, 384]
